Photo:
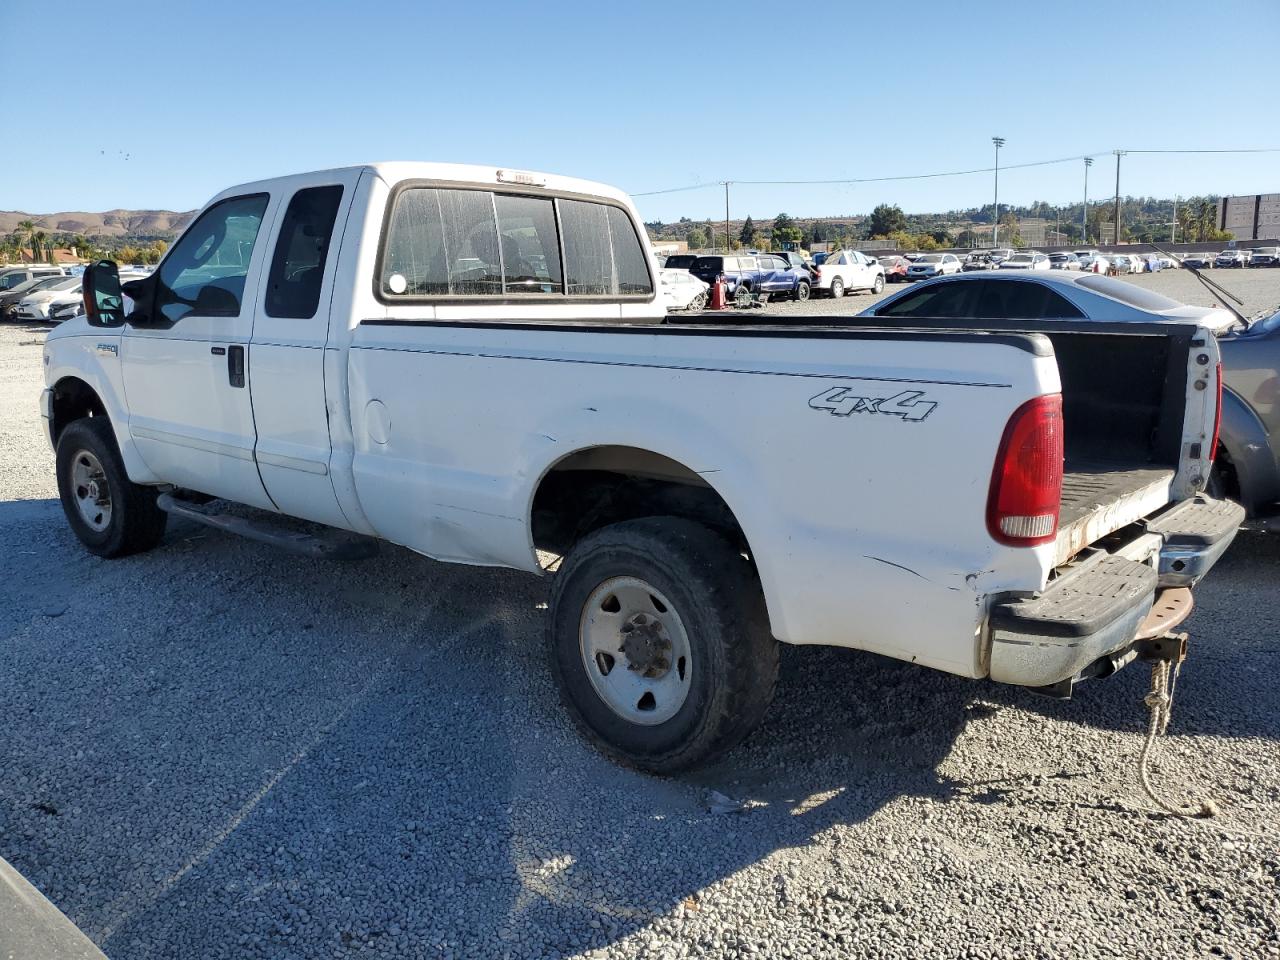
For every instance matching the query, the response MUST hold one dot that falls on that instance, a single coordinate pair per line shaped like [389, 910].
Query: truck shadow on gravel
[213, 750]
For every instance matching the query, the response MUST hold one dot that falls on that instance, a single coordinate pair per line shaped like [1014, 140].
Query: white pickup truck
[846, 271]
[471, 362]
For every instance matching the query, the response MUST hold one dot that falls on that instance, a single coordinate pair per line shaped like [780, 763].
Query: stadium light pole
[727, 247]
[1084, 214]
[1119, 154]
[995, 230]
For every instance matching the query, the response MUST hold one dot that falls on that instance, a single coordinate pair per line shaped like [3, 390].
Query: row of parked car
[45, 292]
[1227, 259]
[686, 278]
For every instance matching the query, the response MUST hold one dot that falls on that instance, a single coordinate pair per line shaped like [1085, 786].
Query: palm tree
[39, 242]
[25, 229]
[1206, 219]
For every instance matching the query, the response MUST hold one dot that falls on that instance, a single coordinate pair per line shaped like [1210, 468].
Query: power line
[931, 176]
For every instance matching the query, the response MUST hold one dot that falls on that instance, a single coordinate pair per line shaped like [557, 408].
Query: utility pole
[1084, 214]
[727, 246]
[1175, 219]
[1119, 154]
[995, 231]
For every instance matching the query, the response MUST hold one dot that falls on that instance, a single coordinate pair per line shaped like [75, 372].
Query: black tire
[878, 286]
[733, 656]
[837, 288]
[802, 291]
[135, 523]
[742, 296]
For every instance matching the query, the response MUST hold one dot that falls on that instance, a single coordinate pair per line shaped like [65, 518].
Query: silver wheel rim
[635, 651]
[90, 491]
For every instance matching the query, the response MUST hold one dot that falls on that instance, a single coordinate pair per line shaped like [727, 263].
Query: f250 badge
[841, 402]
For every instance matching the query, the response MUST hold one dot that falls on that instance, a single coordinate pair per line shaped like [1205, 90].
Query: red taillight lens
[1217, 417]
[817, 271]
[1026, 484]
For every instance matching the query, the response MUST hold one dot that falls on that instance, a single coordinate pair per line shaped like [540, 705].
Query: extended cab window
[297, 268]
[205, 271]
[628, 255]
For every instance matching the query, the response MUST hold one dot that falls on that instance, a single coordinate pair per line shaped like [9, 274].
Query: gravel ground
[214, 750]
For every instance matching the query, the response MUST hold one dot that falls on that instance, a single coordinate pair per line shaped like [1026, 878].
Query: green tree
[785, 230]
[748, 233]
[40, 246]
[697, 239]
[26, 229]
[885, 221]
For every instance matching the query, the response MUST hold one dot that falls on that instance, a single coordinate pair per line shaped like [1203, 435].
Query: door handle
[235, 366]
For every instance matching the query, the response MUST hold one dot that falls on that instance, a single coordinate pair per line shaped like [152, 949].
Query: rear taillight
[817, 271]
[1026, 484]
[1217, 416]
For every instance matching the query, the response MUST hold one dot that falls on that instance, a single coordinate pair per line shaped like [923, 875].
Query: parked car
[736, 270]
[10, 298]
[480, 403]
[1088, 254]
[1095, 264]
[1200, 261]
[793, 258]
[1247, 463]
[845, 271]
[977, 260]
[679, 261]
[1125, 263]
[999, 255]
[1064, 261]
[66, 303]
[1151, 262]
[1026, 260]
[65, 310]
[681, 290]
[1265, 257]
[35, 306]
[1166, 262]
[895, 267]
[1228, 259]
[933, 265]
[782, 278]
[11, 277]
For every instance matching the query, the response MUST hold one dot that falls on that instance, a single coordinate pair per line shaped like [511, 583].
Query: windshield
[1128, 293]
[1021, 258]
[930, 258]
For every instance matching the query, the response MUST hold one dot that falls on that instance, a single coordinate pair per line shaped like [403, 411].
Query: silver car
[1247, 467]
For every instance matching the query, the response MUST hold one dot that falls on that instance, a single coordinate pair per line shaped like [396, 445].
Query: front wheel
[837, 288]
[699, 302]
[110, 514]
[659, 643]
[878, 286]
[802, 291]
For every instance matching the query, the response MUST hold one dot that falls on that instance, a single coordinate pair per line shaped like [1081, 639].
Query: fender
[1248, 444]
[93, 356]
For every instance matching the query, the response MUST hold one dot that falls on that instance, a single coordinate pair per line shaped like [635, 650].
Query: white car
[36, 306]
[934, 265]
[1000, 254]
[1127, 263]
[1094, 263]
[706, 491]
[69, 303]
[844, 271]
[681, 290]
[1027, 260]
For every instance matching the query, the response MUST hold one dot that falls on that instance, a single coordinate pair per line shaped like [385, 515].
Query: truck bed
[1099, 498]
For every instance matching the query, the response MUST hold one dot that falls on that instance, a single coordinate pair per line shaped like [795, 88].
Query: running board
[331, 545]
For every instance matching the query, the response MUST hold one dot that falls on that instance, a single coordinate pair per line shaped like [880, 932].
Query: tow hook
[1166, 653]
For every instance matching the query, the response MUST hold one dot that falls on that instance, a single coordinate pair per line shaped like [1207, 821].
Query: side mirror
[103, 301]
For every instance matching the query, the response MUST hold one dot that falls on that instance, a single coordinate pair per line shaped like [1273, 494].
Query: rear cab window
[443, 243]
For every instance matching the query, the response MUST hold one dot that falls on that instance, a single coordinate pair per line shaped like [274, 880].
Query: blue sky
[162, 104]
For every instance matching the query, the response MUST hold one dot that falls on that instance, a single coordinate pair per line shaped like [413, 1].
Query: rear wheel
[802, 291]
[111, 515]
[837, 287]
[659, 643]
[878, 286]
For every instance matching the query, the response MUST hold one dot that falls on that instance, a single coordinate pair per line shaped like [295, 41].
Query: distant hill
[113, 223]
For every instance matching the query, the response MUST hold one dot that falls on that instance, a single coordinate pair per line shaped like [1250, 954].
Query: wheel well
[593, 488]
[73, 399]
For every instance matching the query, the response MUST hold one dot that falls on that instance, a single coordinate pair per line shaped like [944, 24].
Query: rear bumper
[1094, 610]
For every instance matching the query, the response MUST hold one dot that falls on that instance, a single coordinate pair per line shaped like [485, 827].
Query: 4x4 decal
[841, 402]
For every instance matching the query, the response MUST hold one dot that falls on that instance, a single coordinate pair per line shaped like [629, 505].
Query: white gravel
[214, 750]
